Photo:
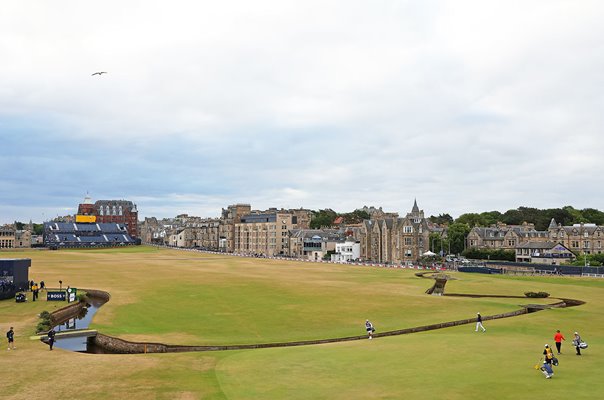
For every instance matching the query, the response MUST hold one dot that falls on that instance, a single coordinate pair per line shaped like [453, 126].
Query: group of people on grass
[10, 337]
[548, 355]
[549, 360]
[35, 288]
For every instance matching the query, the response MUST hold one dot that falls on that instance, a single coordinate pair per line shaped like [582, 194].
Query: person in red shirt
[558, 338]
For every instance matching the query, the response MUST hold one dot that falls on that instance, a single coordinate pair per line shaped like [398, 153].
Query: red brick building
[112, 211]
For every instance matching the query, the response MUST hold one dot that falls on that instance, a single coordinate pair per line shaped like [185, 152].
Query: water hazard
[81, 321]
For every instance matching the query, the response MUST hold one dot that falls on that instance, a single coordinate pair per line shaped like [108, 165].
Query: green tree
[593, 216]
[576, 215]
[323, 218]
[436, 242]
[470, 219]
[512, 217]
[593, 260]
[490, 217]
[456, 237]
[355, 217]
[490, 254]
[441, 219]
[38, 229]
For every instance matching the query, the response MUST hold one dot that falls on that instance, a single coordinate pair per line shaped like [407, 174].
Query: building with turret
[395, 240]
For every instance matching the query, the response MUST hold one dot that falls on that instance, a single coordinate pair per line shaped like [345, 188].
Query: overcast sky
[467, 106]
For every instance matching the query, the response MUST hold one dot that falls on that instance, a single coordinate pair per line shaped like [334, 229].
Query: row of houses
[11, 238]
[238, 230]
[555, 245]
[385, 239]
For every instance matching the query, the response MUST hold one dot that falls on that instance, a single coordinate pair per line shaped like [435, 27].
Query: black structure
[480, 269]
[14, 276]
[60, 235]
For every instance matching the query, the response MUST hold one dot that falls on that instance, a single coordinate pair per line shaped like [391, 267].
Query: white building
[347, 251]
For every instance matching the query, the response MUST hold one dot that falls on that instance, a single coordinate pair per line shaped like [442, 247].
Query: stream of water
[82, 321]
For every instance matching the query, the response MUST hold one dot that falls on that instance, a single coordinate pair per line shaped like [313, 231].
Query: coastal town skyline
[464, 106]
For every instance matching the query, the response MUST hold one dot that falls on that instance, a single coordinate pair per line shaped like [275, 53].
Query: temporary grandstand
[73, 234]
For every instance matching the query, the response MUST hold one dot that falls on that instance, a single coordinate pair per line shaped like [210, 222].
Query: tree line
[567, 215]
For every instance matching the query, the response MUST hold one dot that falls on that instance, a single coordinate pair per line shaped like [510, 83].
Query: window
[586, 244]
[408, 241]
[408, 229]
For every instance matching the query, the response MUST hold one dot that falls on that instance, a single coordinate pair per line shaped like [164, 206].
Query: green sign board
[71, 294]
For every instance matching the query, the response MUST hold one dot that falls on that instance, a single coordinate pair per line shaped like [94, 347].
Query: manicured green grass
[187, 298]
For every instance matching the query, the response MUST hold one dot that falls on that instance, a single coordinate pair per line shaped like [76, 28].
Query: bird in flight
[99, 73]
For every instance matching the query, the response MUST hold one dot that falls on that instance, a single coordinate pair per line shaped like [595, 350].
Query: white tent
[428, 254]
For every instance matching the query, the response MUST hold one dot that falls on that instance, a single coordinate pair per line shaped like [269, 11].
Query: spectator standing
[479, 323]
[35, 291]
[10, 335]
[558, 338]
[370, 329]
[577, 343]
[42, 285]
[51, 338]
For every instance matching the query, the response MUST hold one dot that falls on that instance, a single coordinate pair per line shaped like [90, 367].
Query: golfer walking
[577, 342]
[479, 323]
[558, 338]
[370, 329]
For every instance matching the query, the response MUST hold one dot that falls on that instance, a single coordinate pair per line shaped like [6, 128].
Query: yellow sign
[85, 218]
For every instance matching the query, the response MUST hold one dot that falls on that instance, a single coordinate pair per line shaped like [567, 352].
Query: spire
[415, 208]
[552, 224]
